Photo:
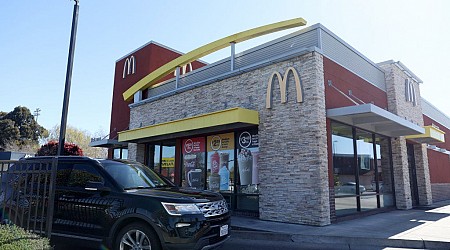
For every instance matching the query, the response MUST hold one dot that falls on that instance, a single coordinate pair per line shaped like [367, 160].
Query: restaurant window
[367, 170]
[385, 180]
[343, 169]
[225, 163]
[220, 162]
[168, 162]
[193, 167]
[247, 179]
[161, 158]
[156, 158]
[120, 153]
[361, 170]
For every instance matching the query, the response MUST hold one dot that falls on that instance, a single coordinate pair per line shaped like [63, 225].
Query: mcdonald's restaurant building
[302, 129]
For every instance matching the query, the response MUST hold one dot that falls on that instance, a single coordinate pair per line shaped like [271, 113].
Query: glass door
[168, 161]
[161, 158]
[362, 170]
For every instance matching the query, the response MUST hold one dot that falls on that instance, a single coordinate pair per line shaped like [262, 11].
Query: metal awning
[432, 135]
[107, 143]
[375, 119]
[216, 121]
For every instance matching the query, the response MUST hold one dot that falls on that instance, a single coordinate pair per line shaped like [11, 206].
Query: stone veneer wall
[401, 173]
[294, 179]
[423, 174]
[397, 104]
[395, 90]
[136, 152]
[293, 150]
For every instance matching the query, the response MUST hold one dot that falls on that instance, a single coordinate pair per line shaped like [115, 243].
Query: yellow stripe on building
[218, 118]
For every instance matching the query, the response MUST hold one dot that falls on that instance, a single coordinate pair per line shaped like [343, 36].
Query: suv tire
[137, 236]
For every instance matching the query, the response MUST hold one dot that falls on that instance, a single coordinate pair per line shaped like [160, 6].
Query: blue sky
[34, 42]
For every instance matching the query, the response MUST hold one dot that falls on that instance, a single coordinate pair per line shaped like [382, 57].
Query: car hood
[169, 194]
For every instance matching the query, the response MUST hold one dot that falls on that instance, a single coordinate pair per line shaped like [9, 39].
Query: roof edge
[157, 44]
[402, 67]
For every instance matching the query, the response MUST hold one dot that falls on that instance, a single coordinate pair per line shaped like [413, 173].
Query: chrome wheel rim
[135, 240]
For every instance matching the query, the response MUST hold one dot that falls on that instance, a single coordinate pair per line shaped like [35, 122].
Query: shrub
[16, 238]
[51, 149]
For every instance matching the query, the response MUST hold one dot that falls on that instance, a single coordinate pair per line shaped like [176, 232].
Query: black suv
[125, 205]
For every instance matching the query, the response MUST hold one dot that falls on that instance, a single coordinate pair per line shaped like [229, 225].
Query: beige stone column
[422, 174]
[293, 147]
[401, 173]
[136, 152]
[398, 77]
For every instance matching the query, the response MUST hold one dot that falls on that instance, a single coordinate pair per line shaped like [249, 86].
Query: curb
[351, 242]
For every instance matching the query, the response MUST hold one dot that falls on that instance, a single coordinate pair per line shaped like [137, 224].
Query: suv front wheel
[137, 236]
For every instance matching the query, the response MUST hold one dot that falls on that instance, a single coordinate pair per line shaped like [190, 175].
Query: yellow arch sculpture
[207, 49]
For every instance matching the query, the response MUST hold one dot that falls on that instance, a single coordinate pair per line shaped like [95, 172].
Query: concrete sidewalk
[419, 228]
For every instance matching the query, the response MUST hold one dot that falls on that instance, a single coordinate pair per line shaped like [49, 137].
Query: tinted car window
[83, 173]
[63, 174]
[133, 175]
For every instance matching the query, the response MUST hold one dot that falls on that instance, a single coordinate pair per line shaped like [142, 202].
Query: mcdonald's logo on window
[410, 92]
[129, 67]
[283, 86]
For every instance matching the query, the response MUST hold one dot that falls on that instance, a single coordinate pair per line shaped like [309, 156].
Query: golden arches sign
[282, 81]
[129, 67]
[207, 49]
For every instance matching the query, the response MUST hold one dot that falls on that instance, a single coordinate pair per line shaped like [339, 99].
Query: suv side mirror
[96, 186]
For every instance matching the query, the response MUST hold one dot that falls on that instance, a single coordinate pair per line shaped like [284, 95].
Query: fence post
[51, 199]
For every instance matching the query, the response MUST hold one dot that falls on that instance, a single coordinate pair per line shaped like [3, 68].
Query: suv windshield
[133, 175]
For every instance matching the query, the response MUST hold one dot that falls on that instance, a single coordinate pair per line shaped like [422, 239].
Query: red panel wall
[345, 80]
[428, 121]
[439, 163]
[148, 59]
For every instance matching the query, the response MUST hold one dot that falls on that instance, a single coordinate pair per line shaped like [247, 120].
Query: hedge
[16, 238]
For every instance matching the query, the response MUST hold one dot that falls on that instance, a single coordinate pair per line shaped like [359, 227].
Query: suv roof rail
[59, 157]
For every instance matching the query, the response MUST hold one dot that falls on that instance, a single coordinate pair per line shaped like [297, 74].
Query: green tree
[19, 129]
[29, 129]
[8, 132]
[80, 137]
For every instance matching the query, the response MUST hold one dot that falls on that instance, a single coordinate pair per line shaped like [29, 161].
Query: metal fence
[27, 194]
